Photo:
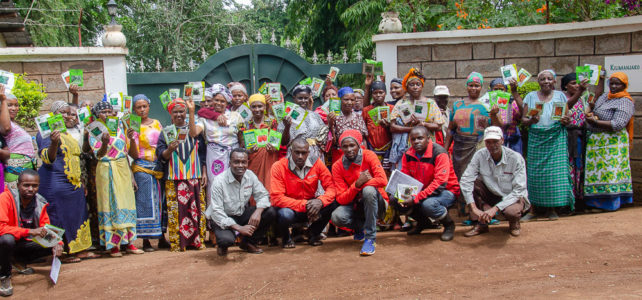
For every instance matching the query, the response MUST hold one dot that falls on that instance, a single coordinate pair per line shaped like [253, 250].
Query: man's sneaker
[368, 247]
[6, 289]
[359, 235]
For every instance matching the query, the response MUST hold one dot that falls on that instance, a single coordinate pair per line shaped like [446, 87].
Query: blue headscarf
[344, 91]
[141, 97]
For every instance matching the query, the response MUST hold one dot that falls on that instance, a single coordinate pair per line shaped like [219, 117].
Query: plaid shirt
[618, 110]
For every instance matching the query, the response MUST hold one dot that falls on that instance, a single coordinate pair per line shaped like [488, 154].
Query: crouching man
[229, 209]
[494, 181]
[23, 214]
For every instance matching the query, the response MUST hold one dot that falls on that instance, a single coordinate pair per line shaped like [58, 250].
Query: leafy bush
[527, 88]
[30, 95]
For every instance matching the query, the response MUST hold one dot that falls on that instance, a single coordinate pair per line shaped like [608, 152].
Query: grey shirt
[506, 178]
[228, 197]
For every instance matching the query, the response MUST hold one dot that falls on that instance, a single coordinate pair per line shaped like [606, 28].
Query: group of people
[327, 178]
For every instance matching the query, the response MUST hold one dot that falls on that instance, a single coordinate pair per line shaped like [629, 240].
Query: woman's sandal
[88, 255]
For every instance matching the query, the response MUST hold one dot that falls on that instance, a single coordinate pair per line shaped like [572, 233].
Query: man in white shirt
[229, 206]
[495, 180]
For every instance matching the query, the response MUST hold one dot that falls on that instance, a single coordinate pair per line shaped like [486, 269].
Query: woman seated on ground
[346, 120]
[185, 184]
[549, 180]
[607, 182]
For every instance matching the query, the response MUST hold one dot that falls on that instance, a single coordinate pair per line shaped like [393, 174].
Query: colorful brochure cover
[509, 71]
[334, 105]
[43, 124]
[170, 133]
[57, 122]
[317, 86]
[84, 115]
[274, 90]
[198, 90]
[559, 111]
[249, 137]
[274, 139]
[334, 71]
[112, 125]
[76, 77]
[261, 136]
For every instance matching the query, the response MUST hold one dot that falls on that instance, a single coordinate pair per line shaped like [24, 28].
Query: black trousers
[226, 237]
[287, 217]
[23, 250]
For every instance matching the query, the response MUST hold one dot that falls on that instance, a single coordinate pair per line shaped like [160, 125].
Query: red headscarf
[177, 101]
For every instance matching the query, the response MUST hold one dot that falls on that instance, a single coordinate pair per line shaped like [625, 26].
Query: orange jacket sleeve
[379, 178]
[277, 190]
[327, 184]
[8, 222]
[442, 169]
[345, 191]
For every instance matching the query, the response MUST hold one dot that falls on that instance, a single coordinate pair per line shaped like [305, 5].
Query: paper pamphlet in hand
[334, 71]
[76, 77]
[261, 136]
[559, 110]
[65, 78]
[183, 133]
[52, 238]
[263, 89]
[112, 125]
[405, 111]
[249, 138]
[174, 93]
[84, 115]
[170, 133]
[279, 111]
[134, 122]
[165, 99]
[298, 115]
[317, 86]
[245, 112]
[116, 101]
[509, 71]
[275, 139]
[523, 76]
[582, 72]
[422, 110]
[96, 129]
[43, 124]
[405, 191]
[374, 115]
[499, 98]
[397, 177]
[384, 112]
[57, 122]
[198, 90]
[334, 105]
[127, 103]
[55, 269]
[274, 90]
[377, 67]
[8, 79]
[594, 75]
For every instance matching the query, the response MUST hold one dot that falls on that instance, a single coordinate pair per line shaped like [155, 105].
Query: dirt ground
[586, 256]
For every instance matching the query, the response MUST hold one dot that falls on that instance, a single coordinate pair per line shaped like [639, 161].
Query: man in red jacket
[23, 213]
[360, 181]
[428, 162]
[294, 184]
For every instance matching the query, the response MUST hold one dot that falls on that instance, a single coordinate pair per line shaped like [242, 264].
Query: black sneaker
[6, 289]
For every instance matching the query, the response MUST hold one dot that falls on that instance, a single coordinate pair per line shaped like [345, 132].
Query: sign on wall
[631, 65]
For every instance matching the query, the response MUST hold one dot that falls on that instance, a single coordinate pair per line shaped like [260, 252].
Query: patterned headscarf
[141, 97]
[218, 88]
[497, 81]
[360, 91]
[58, 105]
[177, 101]
[344, 91]
[100, 107]
[301, 89]
[413, 74]
[475, 77]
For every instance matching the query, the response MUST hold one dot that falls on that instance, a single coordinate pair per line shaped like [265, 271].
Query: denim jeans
[286, 217]
[362, 215]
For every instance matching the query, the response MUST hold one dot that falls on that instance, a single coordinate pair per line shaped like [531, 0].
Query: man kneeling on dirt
[229, 196]
[428, 162]
[495, 180]
[295, 181]
[23, 214]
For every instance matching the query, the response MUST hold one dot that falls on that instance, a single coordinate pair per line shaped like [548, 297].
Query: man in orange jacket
[23, 213]
[360, 181]
[294, 184]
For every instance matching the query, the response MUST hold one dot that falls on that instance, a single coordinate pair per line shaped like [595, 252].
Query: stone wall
[48, 74]
[446, 58]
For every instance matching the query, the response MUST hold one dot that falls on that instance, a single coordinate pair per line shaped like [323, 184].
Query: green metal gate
[251, 65]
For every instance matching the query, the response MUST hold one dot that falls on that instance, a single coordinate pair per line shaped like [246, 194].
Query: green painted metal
[251, 65]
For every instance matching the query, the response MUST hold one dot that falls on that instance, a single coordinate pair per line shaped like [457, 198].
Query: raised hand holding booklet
[43, 124]
[334, 105]
[57, 122]
[509, 71]
[274, 90]
[170, 133]
[198, 89]
[334, 71]
[594, 75]
[317, 86]
[523, 76]
[76, 77]
[84, 115]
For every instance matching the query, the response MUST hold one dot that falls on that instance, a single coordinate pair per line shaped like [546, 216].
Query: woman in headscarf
[18, 140]
[549, 180]
[148, 172]
[220, 139]
[607, 181]
[576, 135]
[184, 184]
[379, 139]
[239, 95]
[511, 117]
[312, 129]
[359, 95]
[61, 185]
[413, 84]
[328, 91]
[261, 159]
[397, 91]
[345, 121]
[114, 186]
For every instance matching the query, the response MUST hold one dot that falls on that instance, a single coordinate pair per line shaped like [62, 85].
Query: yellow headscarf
[256, 97]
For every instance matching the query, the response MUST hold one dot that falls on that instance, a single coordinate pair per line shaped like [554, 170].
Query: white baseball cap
[493, 133]
[441, 90]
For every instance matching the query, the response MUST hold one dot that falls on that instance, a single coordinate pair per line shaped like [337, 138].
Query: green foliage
[527, 88]
[30, 95]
